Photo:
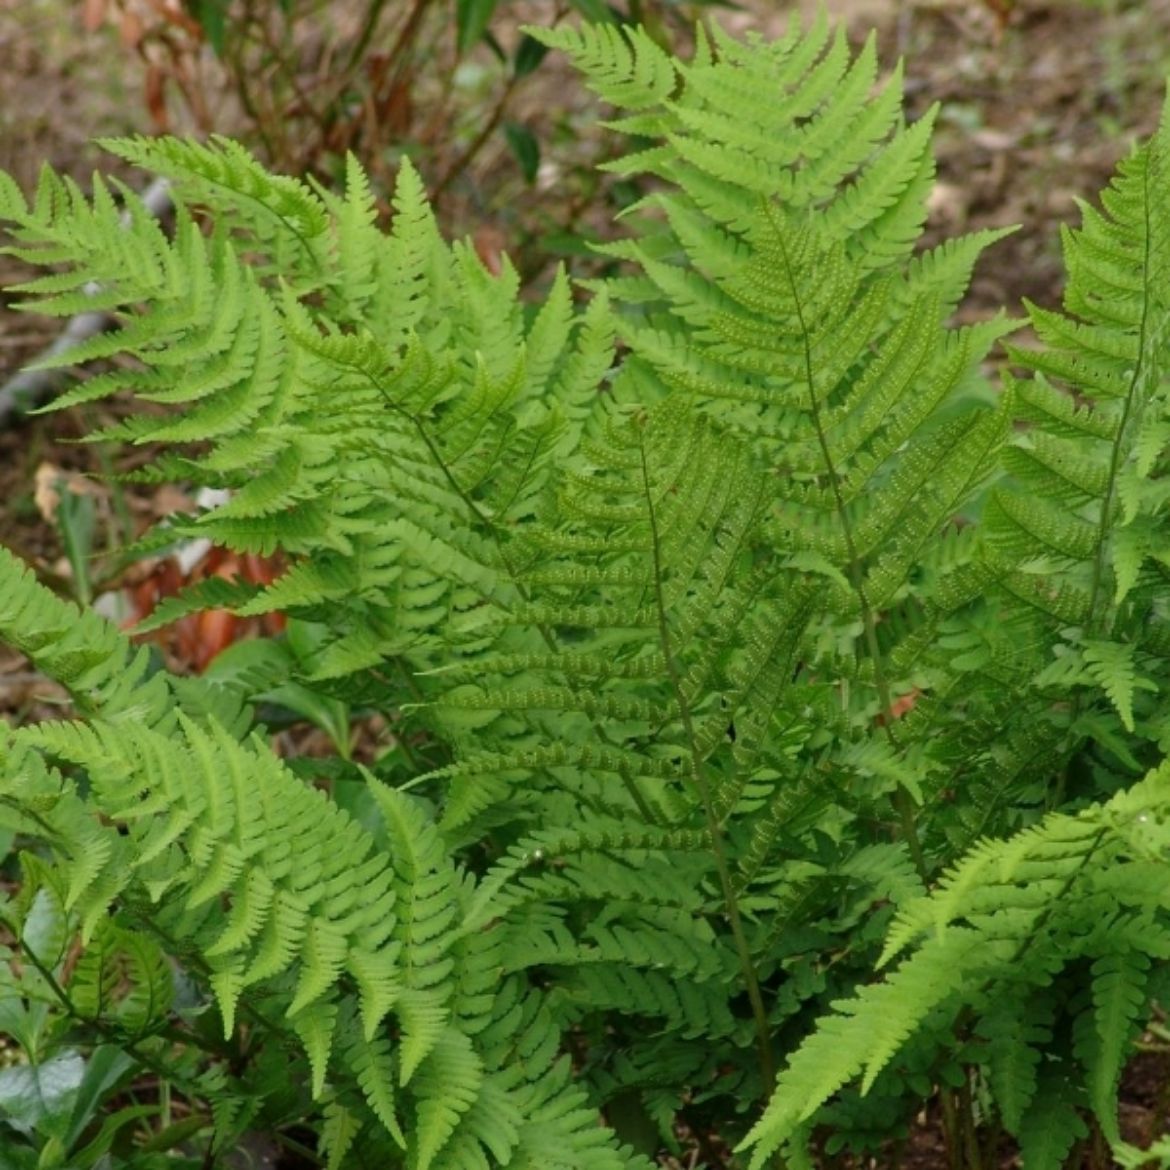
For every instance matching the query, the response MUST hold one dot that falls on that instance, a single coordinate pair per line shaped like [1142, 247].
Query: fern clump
[773, 703]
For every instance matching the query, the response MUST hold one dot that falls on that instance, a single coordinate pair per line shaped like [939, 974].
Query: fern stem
[635, 794]
[299, 1149]
[967, 1123]
[714, 827]
[1095, 624]
[901, 799]
[950, 1125]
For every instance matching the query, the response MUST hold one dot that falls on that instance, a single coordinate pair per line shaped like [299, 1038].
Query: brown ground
[1039, 100]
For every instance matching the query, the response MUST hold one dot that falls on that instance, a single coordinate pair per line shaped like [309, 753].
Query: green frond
[1016, 1027]
[79, 650]
[282, 213]
[775, 287]
[524, 862]
[372, 1062]
[427, 907]
[357, 240]
[415, 267]
[204, 818]
[563, 1133]
[314, 1029]
[1003, 915]
[994, 871]
[446, 428]
[111, 263]
[446, 1088]
[105, 673]
[864, 1034]
[1099, 375]
[670, 483]
[945, 270]
[1112, 667]
[1119, 1005]
[622, 63]
[491, 1126]
[689, 1008]
[338, 1132]
[1052, 1125]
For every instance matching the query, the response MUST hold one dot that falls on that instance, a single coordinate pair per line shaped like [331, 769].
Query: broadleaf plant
[774, 698]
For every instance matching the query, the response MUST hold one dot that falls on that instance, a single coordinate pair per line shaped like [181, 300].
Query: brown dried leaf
[48, 482]
[93, 14]
[131, 28]
[155, 96]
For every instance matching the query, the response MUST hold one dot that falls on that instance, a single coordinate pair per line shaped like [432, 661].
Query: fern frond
[232, 808]
[1052, 1124]
[285, 215]
[446, 427]
[1119, 1000]
[1016, 1027]
[773, 286]
[105, 673]
[1003, 920]
[1086, 473]
[447, 1085]
[214, 822]
[623, 64]
[427, 907]
[886, 1014]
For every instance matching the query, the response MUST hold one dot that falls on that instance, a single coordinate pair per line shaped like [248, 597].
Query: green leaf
[176, 1133]
[329, 714]
[103, 1071]
[338, 1132]
[529, 54]
[43, 931]
[96, 1150]
[1051, 1125]
[211, 16]
[1112, 665]
[471, 21]
[22, 1020]
[33, 1095]
[77, 523]
[525, 147]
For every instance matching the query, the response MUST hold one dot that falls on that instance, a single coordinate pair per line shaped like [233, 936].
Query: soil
[1039, 99]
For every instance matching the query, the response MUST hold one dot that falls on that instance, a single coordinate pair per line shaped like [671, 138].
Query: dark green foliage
[770, 695]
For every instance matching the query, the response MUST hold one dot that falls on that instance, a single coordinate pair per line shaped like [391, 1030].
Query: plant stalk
[901, 799]
[714, 828]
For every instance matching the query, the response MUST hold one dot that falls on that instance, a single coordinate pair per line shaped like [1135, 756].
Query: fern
[776, 289]
[996, 932]
[762, 690]
[420, 502]
[1084, 495]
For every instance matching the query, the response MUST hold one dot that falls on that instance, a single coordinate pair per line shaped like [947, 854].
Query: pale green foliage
[722, 627]
[993, 934]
